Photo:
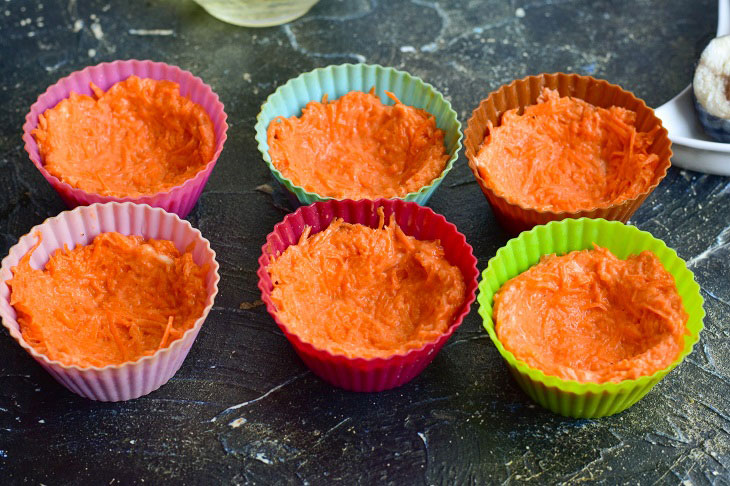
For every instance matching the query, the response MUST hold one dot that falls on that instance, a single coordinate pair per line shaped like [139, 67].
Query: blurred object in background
[257, 13]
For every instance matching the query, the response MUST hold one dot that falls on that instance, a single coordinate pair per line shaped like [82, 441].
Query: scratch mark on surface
[426, 450]
[721, 241]
[258, 399]
[331, 430]
[717, 412]
[157, 32]
[671, 468]
[54, 67]
[442, 14]
[481, 29]
[602, 454]
[463, 183]
[714, 373]
[295, 45]
[251, 305]
[343, 18]
[724, 190]
[708, 355]
[454, 342]
[716, 297]
[427, 401]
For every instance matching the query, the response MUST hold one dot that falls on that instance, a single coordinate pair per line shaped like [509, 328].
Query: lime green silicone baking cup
[567, 397]
[336, 81]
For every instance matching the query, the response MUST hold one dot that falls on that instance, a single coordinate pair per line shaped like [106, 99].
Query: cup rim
[665, 163]
[265, 284]
[574, 386]
[31, 122]
[169, 349]
[305, 196]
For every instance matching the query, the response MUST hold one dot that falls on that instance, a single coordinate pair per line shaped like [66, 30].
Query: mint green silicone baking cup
[567, 397]
[336, 81]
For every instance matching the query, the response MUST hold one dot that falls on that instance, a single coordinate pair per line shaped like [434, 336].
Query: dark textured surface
[463, 420]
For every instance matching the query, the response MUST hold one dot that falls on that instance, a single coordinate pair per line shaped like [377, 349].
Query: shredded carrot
[571, 155]
[591, 317]
[366, 292]
[114, 300]
[139, 137]
[167, 332]
[357, 147]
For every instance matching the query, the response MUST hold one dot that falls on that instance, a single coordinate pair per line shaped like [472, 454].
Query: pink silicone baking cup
[79, 227]
[359, 374]
[180, 199]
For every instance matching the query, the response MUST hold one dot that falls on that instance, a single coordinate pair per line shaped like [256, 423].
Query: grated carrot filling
[563, 154]
[366, 292]
[591, 317]
[109, 302]
[139, 137]
[356, 147]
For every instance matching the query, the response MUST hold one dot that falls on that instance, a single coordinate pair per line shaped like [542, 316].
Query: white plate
[692, 148]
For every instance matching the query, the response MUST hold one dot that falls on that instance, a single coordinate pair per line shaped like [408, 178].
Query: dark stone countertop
[464, 420]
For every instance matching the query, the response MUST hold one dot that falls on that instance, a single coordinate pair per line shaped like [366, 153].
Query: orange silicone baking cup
[524, 92]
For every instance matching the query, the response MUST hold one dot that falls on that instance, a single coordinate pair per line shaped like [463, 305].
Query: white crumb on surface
[430, 47]
[237, 423]
[262, 458]
[97, 31]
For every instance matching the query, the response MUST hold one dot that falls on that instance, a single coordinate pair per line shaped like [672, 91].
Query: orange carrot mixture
[139, 137]
[109, 302]
[356, 147]
[365, 292]
[563, 154]
[590, 317]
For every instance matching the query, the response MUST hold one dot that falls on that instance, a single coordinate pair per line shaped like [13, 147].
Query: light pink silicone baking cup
[79, 227]
[180, 199]
[359, 374]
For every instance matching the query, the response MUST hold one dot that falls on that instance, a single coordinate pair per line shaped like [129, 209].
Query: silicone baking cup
[79, 227]
[179, 199]
[567, 397]
[524, 92]
[336, 81]
[359, 374]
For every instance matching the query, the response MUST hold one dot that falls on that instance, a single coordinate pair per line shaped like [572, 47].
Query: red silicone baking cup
[79, 227]
[180, 199]
[377, 374]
